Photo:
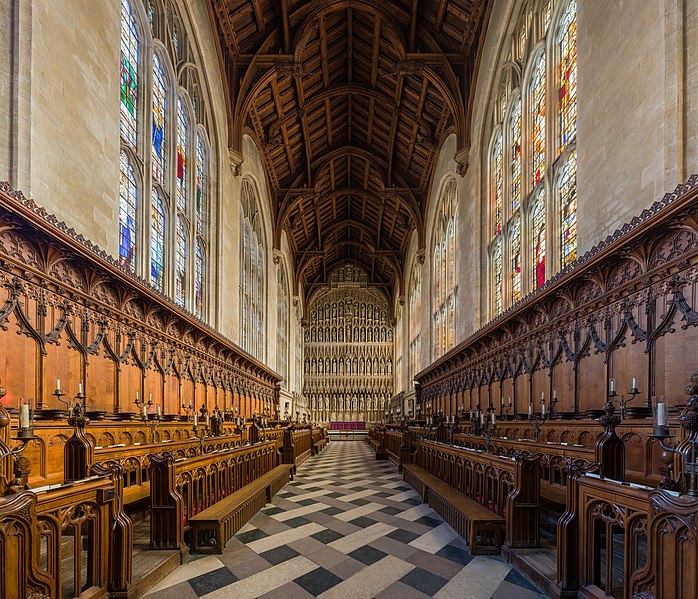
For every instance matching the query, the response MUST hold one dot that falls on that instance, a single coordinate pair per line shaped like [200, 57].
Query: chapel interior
[349, 298]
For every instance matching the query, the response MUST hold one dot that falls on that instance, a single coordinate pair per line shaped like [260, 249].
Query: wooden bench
[213, 527]
[470, 519]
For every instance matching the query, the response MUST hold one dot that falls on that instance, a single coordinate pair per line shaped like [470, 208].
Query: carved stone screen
[348, 359]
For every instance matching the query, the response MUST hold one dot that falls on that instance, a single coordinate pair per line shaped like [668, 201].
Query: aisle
[347, 527]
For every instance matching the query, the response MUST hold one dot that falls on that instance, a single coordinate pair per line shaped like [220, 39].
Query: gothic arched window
[282, 327]
[171, 167]
[445, 269]
[252, 269]
[533, 200]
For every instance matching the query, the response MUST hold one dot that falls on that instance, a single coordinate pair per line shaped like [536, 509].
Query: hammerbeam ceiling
[349, 101]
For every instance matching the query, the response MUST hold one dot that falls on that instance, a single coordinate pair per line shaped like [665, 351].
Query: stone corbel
[276, 256]
[420, 255]
[236, 160]
[462, 158]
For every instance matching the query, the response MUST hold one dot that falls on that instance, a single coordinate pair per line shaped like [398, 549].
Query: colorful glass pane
[498, 184]
[568, 74]
[151, 13]
[159, 113]
[181, 264]
[539, 240]
[516, 260]
[568, 210]
[128, 207]
[538, 119]
[182, 149]
[201, 183]
[498, 281]
[547, 13]
[516, 155]
[157, 241]
[129, 74]
[199, 280]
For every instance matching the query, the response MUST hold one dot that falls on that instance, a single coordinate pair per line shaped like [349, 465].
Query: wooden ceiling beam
[441, 14]
[375, 49]
[414, 15]
[286, 26]
[258, 15]
[284, 132]
[393, 128]
[350, 45]
[416, 125]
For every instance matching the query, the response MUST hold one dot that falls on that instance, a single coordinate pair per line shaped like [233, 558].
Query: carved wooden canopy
[349, 101]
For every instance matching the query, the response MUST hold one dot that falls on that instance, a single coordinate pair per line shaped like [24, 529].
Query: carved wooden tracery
[80, 317]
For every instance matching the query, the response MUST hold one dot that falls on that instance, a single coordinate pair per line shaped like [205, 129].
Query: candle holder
[687, 450]
[24, 435]
[200, 432]
[505, 409]
[151, 422]
[58, 394]
[533, 419]
[622, 402]
[187, 410]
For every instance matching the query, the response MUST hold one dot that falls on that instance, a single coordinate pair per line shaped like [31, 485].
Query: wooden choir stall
[563, 434]
[130, 432]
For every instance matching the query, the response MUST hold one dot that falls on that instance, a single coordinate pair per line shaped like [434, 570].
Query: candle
[493, 418]
[509, 401]
[136, 396]
[58, 384]
[543, 409]
[196, 419]
[159, 411]
[634, 383]
[482, 418]
[554, 393]
[80, 387]
[70, 412]
[542, 395]
[150, 399]
[661, 414]
[208, 419]
[24, 415]
[530, 410]
[613, 385]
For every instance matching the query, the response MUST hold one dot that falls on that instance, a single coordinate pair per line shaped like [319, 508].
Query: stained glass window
[157, 241]
[182, 149]
[515, 242]
[159, 114]
[539, 239]
[516, 155]
[498, 184]
[128, 207]
[129, 74]
[546, 14]
[498, 282]
[445, 285]
[199, 280]
[567, 40]
[568, 209]
[181, 264]
[151, 13]
[538, 119]
[201, 183]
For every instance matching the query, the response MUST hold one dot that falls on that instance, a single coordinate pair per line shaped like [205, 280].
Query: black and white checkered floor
[346, 527]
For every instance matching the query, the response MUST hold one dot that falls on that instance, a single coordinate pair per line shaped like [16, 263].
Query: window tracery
[445, 271]
[535, 191]
[173, 172]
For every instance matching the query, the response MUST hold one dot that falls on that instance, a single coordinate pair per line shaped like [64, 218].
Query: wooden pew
[181, 489]
[507, 487]
[554, 457]
[213, 527]
[37, 526]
